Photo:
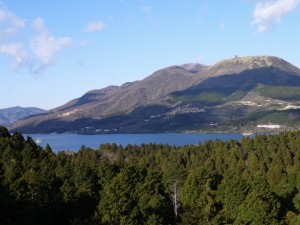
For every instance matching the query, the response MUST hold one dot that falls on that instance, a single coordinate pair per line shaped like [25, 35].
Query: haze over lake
[62, 142]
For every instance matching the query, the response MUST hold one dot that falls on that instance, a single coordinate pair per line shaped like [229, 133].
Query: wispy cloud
[10, 23]
[267, 13]
[45, 45]
[94, 27]
[17, 52]
[37, 54]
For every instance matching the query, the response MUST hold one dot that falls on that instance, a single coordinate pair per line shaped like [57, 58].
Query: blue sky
[53, 51]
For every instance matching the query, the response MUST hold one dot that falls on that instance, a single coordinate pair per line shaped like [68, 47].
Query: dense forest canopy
[255, 181]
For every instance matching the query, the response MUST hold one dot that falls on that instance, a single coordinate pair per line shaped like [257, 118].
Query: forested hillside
[255, 181]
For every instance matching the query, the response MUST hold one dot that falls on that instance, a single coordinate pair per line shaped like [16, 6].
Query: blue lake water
[62, 142]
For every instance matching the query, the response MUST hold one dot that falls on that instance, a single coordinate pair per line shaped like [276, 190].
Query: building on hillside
[269, 126]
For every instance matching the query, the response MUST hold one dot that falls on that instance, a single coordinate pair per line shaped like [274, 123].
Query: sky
[53, 51]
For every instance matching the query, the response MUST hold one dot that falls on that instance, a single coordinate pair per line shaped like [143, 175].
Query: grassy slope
[280, 92]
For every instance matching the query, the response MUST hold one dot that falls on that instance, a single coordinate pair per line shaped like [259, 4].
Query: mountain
[10, 115]
[233, 94]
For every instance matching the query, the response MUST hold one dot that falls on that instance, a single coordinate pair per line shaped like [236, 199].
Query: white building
[270, 126]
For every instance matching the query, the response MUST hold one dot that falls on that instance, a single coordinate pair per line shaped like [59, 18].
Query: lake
[62, 142]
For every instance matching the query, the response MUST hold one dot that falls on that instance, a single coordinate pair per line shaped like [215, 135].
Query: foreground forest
[255, 181]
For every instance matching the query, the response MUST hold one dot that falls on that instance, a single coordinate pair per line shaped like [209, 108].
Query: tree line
[254, 181]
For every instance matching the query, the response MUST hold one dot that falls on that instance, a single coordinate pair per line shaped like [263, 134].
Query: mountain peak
[10, 115]
[252, 61]
[238, 64]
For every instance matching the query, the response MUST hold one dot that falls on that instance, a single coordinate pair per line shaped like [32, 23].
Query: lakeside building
[269, 126]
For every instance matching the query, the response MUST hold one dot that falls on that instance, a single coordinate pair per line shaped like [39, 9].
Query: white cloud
[269, 12]
[10, 23]
[94, 27]
[45, 46]
[16, 51]
[37, 54]
[39, 26]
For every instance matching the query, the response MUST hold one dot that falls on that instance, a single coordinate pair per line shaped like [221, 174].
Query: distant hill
[233, 94]
[10, 115]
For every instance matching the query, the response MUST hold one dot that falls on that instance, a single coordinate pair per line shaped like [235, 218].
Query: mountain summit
[233, 93]
[238, 64]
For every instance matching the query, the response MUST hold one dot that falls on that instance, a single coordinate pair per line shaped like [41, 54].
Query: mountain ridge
[12, 114]
[188, 89]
